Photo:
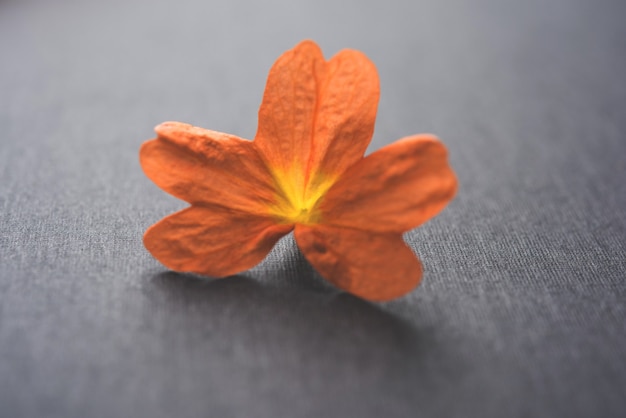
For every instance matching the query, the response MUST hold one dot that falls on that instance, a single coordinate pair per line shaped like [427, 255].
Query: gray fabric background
[522, 309]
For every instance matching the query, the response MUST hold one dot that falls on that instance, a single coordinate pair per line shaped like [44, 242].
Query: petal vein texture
[304, 171]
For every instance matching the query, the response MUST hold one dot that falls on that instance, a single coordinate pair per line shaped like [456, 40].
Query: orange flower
[304, 171]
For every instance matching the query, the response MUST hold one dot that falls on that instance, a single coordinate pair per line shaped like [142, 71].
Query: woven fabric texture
[522, 309]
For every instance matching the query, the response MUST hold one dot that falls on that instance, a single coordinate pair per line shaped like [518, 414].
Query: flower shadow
[295, 331]
[309, 303]
[301, 341]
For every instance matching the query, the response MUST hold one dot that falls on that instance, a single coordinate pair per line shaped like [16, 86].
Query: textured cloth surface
[522, 308]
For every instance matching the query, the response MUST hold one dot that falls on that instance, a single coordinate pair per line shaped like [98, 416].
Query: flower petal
[212, 241]
[394, 189]
[317, 117]
[374, 266]
[202, 166]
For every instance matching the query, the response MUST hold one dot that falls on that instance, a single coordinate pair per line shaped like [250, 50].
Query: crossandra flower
[305, 171]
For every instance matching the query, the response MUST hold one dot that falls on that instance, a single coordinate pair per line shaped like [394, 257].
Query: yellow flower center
[297, 203]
